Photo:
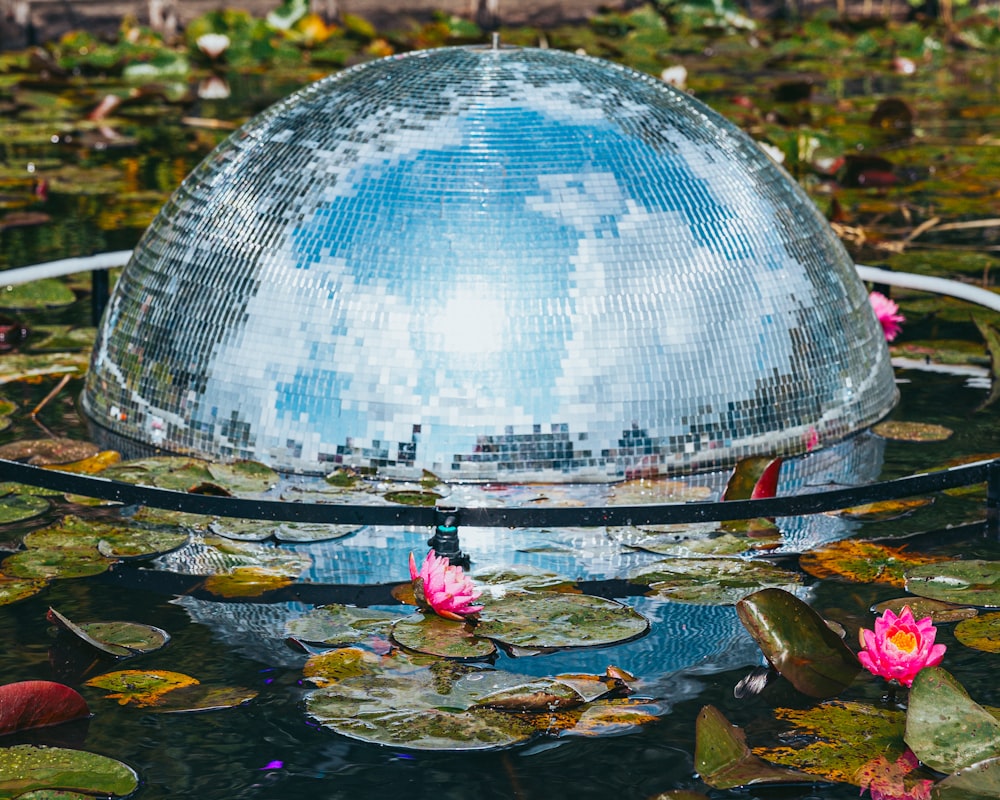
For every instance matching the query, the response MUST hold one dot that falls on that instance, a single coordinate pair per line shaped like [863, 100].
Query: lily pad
[140, 687]
[976, 782]
[244, 476]
[110, 540]
[92, 464]
[339, 625]
[304, 532]
[974, 582]
[798, 643]
[36, 704]
[925, 607]
[644, 491]
[699, 542]
[980, 633]
[200, 697]
[43, 293]
[31, 366]
[13, 590]
[911, 431]
[837, 739]
[247, 582]
[118, 639]
[885, 510]
[862, 562]
[19, 507]
[717, 581]
[42, 452]
[60, 337]
[436, 636]
[49, 564]
[551, 620]
[946, 729]
[723, 760]
[26, 768]
[413, 497]
[521, 577]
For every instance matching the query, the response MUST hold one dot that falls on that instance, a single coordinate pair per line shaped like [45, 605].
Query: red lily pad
[36, 704]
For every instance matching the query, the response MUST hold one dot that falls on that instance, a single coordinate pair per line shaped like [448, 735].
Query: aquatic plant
[887, 313]
[900, 646]
[443, 588]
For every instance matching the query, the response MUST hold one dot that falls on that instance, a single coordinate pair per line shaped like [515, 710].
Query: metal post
[98, 294]
[993, 498]
[445, 543]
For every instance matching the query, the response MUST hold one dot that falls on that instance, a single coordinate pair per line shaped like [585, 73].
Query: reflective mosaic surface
[493, 264]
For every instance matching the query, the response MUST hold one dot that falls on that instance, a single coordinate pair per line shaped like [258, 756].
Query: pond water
[98, 183]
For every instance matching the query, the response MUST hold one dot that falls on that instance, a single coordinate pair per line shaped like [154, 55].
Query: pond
[890, 129]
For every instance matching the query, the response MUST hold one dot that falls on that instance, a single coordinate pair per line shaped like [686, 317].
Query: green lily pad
[974, 582]
[304, 532]
[60, 338]
[43, 293]
[946, 729]
[27, 768]
[413, 497]
[925, 607]
[18, 507]
[723, 760]
[118, 639]
[111, 541]
[980, 633]
[837, 739]
[166, 472]
[522, 577]
[976, 782]
[717, 581]
[542, 694]
[550, 620]
[338, 625]
[798, 643]
[244, 530]
[29, 366]
[244, 476]
[645, 491]
[45, 565]
[698, 542]
[911, 431]
[436, 636]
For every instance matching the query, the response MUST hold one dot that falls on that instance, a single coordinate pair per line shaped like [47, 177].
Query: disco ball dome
[492, 263]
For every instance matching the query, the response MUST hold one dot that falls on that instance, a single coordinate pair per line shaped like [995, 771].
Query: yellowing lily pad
[911, 431]
[980, 633]
[862, 562]
[974, 582]
[247, 582]
[835, 739]
[436, 636]
[91, 465]
[336, 665]
[140, 687]
[717, 581]
[885, 510]
[13, 590]
[27, 768]
[548, 620]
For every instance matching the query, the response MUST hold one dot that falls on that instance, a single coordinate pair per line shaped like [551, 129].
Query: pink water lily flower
[887, 313]
[900, 647]
[443, 588]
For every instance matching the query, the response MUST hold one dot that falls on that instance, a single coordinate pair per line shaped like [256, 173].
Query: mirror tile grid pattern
[492, 263]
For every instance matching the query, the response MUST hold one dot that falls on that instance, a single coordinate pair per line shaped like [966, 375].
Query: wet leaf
[991, 335]
[643, 491]
[36, 704]
[945, 728]
[166, 472]
[753, 477]
[12, 590]
[26, 768]
[30, 366]
[40, 452]
[92, 465]
[886, 509]
[244, 476]
[925, 607]
[304, 532]
[837, 738]
[109, 540]
[542, 694]
[43, 293]
[140, 687]
[547, 620]
[118, 639]
[247, 582]
[973, 582]
[976, 782]
[202, 698]
[706, 542]
[433, 635]
[911, 431]
[60, 337]
[798, 643]
[45, 565]
[338, 625]
[19, 507]
[980, 633]
[717, 581]
[413, 497]
[602, 718]
[337, 665]
[723, 760]
[521, 577]
[862, 562]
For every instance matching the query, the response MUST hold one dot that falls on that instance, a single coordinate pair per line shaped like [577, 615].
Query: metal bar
[329, 513]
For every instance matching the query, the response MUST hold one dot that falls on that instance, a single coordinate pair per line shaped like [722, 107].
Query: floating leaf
[436, 636]
[520, 577]
[41, 452]
[337, 665]
[644, 491]
[945, 728]
[60, 337]
[911, 431]
[304, 532]
[413, 497]
[244, 530]
[14, 589]
[900, 778]
[925, 607]
[166, 472]
[723, 760]
[140, 687]
[247, 582]
[92, 465]
[338, 625]
[541, 694]
[603, 718]
[976, 782]
[980, 633]
[974, 582]
[26, 768]
[244, 476]
[18, 507]
[119, 639]
[885, 510]
[44, 564]
[110, 540]
[22, 366]
[862, 562]
[698, 542]
[36, 704]
[798, 643]
[202, 698]
[718, 581]
[546, 620]
[43, 293]
[836, 739]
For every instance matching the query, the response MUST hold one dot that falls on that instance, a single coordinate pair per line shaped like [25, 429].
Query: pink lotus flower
[887, 313]
[900, 647]
[443, 588]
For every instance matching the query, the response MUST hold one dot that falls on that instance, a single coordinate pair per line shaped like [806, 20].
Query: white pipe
[925, 283]
[65, 266]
